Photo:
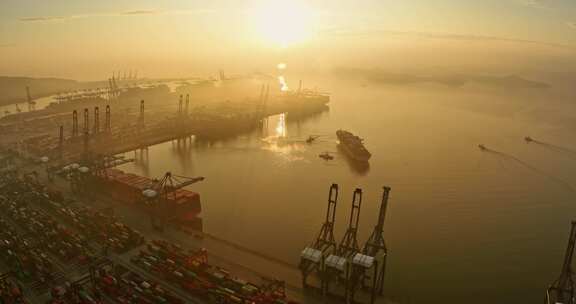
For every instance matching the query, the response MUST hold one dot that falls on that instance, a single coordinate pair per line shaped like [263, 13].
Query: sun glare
[283, 22]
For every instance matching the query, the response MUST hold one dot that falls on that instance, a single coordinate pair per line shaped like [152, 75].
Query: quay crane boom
[337, 264]
[312, 257]
[376, 241]
[169, 183]
[161, 190]
[373, 257]
[326, 237]
[349, 243]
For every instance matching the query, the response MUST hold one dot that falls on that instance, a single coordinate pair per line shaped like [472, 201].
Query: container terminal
[58, 251]
[75, 229]
[52, 136]
[64, 247]
[134, 118]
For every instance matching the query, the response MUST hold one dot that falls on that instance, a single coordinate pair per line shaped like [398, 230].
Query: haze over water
[423, 82]
[461, 222]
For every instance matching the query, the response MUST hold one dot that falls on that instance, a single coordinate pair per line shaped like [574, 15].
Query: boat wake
[538, 171]
[552, 147]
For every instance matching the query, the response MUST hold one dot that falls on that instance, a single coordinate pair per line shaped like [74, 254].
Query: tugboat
[311, 139]
[353, 146]
[326, 156]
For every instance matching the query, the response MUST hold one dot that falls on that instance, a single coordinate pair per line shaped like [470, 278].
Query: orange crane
[161, 191]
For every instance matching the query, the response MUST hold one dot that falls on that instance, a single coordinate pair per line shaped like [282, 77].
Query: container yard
[55, 249]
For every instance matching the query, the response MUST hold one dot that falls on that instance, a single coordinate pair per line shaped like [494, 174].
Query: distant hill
[13, 89]
[456, 80]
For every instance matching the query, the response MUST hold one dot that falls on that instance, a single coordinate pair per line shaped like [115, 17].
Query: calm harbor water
[463, 226]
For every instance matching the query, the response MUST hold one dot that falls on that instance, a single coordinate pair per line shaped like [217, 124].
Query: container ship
[353, 146]
[182, 208]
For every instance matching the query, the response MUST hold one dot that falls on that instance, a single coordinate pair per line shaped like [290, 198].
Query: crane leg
[374, 284]
[381, 277]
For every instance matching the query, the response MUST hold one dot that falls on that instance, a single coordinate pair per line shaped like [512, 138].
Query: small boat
[528, 139]
[482, 147]
[311, 139]
[326, 156]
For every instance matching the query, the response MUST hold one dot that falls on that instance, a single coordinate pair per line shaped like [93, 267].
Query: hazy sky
[88, 39]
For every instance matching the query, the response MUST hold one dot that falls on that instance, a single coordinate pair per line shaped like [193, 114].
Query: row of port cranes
[346, 264]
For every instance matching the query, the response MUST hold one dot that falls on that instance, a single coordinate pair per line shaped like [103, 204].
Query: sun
[283, 22]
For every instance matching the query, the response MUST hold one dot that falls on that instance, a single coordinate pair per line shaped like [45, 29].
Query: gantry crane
[110, 88]
[61, 138]
[141, 116]
[99, 164]
[107, 121]
[86, 128]
[337, 265]
[31, 103]
[96, 129]
[311, 258]
[262, 102]
[562, 290]
[74, 124]
[376, 245]
[161, 191]
[373, 256]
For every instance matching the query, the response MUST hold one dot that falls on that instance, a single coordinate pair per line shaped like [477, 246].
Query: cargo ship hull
[351, 154]
[352, 146]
